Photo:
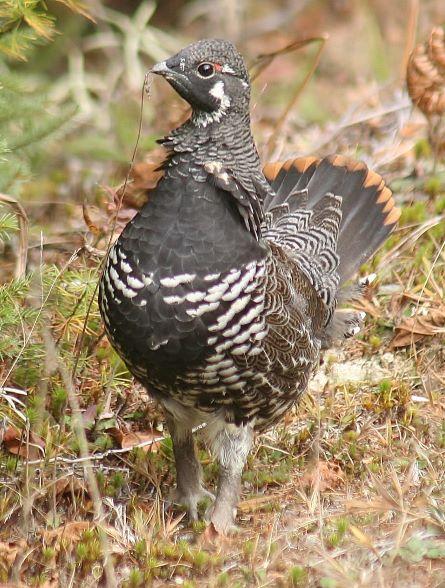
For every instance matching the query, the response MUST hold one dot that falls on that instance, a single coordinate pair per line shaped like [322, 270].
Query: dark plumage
[223, 289]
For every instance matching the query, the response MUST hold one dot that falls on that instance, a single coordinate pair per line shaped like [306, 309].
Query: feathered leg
[189, 491]
[230, 445]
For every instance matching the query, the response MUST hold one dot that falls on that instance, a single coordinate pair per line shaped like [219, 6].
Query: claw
[190, 500]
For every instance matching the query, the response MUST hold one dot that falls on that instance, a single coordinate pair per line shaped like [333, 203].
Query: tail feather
[368, 210]
[288, 177]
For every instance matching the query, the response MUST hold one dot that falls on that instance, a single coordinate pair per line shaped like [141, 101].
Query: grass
[346, 491]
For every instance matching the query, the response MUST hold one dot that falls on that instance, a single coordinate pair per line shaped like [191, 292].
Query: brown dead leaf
[122, 203]
[71, 531]
[253, 504]
[326, 474]
[94, 219]
[413, 329]
[70, 484]
[130, 440]
[125, 201]
[146, 174]
[16, 443]
[210, 534]
[9, 551]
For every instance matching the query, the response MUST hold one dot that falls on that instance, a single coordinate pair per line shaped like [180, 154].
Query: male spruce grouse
[222, 291]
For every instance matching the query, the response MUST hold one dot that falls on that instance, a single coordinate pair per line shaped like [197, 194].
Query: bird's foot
[191, 499]
[221, 517]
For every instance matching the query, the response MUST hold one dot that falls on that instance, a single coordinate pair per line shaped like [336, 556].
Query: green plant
[27, 118]
[25, 23]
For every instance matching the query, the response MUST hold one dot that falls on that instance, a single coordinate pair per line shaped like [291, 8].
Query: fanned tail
[333, 214]
[368, 212]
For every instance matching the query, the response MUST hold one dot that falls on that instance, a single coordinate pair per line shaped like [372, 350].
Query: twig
[79, 431]
[297, 93]
[20, 266]
[145, 90]
[98, 456]
[411, 26]
[411, 238]
[265, 59]
[108, 452]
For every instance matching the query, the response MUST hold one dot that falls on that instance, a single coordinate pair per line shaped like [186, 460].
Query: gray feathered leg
[231, 445]
[189, 491]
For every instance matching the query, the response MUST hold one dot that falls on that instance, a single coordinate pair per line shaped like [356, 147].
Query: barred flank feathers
[369, 214]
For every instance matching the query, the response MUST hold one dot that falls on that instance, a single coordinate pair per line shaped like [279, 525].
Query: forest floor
[348, 491]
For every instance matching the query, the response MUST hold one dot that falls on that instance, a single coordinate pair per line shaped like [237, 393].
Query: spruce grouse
[222, 291]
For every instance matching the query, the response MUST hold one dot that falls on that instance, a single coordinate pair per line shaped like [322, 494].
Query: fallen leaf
[210, 534]
[71, 531]
[415, 328]
[9, 551]
[16, 443]
[70, 484]
[328, 475]
[93, 219]
[130, 440]
[125, 201]
[405, 339]
[252, 504]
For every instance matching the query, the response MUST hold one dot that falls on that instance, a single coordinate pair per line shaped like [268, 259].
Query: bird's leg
[231, 445]
[189, 491]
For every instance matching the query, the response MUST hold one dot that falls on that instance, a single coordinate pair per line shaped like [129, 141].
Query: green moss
[416, 212]
[297, 577]
[439, 205]
[222, 580]
[375, 341]
[335, 532]
[268, 476]
[135, 579]
[199, 526]
[433, 186]
[48, 553]
[103, 442]
[422, 149]
[249, 547]
[58, 401]
[200, 559]
[88, 550]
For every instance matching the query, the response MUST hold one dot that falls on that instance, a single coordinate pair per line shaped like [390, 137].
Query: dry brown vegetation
[349, 490]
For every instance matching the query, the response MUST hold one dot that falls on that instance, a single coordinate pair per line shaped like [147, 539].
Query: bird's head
[211, 76]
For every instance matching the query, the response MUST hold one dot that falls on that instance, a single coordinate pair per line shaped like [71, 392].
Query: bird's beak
[161, 68]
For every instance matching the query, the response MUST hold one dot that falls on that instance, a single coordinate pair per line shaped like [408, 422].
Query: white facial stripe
[202, 119]
[218, 92]
[227, 69]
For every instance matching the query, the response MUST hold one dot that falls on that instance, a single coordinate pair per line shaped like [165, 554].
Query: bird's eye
[206, 70]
